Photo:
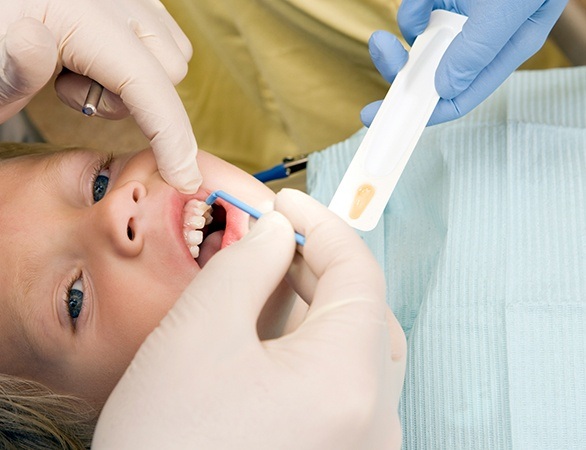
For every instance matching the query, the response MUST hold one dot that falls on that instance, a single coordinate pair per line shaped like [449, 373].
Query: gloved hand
[498, 37]
[132, 47]
[203, 379]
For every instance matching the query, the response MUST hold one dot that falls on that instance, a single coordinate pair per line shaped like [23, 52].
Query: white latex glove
[204, 380]
[133, 48]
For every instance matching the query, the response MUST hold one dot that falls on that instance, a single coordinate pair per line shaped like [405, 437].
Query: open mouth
[206, 229]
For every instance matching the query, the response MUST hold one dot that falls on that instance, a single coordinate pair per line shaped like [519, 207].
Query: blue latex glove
[389, 56]
[497, 38]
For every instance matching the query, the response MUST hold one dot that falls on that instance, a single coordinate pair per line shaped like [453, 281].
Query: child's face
[82, 282]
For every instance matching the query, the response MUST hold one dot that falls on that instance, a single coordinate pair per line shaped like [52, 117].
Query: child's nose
[121, 218]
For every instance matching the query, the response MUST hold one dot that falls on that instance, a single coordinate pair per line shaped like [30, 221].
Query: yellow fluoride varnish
[362, 198]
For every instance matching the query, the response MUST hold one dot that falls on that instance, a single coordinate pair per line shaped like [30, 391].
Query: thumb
[28, 55]
[387, 53]
[228, 294]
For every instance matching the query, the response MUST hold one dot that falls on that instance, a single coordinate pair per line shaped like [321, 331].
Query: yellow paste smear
[362, 198]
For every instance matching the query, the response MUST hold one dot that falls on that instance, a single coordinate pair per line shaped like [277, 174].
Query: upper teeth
[196, 214]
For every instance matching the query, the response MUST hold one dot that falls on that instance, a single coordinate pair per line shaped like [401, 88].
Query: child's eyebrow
[27, 272]
[53, 172]
[28, 268]
[62, 172]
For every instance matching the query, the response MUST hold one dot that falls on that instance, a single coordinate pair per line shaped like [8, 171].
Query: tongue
[209, 247]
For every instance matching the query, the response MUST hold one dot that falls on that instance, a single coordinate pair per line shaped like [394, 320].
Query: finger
[369, 111]
[348, 312]
[72, 89]
[484, 35]
[387, 54]
[231, 290]
[28, 55]
[413, 17]
[454, 75]
[398, 340]
[163, 120]
[346, 330]
[398, 356]
[163, 46]
[388, 377]
[176, 32]
[517, 50]
[301, 278]
[334, 252]
[124, 66]
[161, 35]
[484, 85]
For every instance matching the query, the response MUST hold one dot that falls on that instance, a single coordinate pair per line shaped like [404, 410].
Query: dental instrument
[299, 238]
[90, 106]
[290, 165]
[382, 156]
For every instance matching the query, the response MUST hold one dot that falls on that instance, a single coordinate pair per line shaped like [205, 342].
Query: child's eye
[100, 185]
[75, 299]
[101, 179]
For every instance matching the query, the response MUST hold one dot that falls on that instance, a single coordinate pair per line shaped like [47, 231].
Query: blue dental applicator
[300, 239]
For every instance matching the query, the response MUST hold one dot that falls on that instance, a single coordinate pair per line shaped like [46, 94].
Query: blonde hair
[32, 417]
[9, 150]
